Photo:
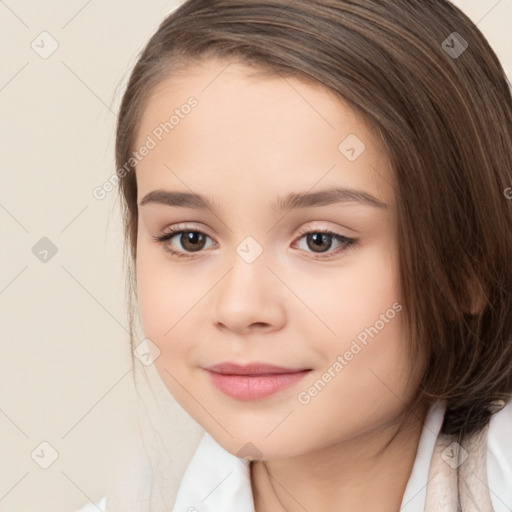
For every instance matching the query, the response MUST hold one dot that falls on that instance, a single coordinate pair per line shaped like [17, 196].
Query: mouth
[255, 380]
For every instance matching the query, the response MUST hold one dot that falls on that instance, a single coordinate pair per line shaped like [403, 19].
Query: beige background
[64, 366]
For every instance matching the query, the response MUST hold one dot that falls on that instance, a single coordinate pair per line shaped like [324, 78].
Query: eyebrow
[291, 201]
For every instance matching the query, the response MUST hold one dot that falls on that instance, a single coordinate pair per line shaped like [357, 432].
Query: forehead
[278, 131]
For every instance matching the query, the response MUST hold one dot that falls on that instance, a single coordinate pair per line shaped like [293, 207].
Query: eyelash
[169, 233]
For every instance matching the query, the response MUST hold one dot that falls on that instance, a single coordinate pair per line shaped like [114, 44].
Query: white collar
[217, 480]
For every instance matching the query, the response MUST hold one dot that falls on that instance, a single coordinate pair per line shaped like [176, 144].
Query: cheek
[367, 362]
[163, 309]
[162, 289]
[355, 298]
[167, 299]
[152, 300]
[362, 386]
[161, 297]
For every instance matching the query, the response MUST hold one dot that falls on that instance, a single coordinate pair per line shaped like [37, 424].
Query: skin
[249, 140]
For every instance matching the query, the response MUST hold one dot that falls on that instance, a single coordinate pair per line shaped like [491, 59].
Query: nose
[249, 297]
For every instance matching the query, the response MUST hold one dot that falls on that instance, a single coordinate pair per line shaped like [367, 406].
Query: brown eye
[182, 242]
[317, 241]
[192, 240]
[320, 242]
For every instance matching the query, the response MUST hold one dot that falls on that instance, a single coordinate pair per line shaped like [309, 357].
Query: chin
[251, 442]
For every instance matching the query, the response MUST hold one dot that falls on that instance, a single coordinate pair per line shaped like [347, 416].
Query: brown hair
[445, 120]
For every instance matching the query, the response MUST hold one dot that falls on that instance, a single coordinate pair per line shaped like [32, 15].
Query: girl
[317, 204]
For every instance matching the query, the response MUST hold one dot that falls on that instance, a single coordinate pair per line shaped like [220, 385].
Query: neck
[339, 477]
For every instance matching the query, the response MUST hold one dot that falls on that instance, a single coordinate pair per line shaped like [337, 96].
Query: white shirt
[217, 481]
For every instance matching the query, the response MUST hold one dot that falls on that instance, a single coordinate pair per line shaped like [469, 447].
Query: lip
[253, 381]
[251, 369]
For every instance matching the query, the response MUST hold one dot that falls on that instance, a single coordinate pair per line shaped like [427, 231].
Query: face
[309, 285]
